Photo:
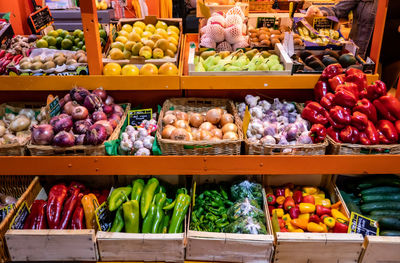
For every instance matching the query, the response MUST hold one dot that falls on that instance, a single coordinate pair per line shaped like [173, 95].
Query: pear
[211, 61]
[224, 54]
[277, 67]
[251, 53]
[219, 67]
[263, 66]
[274, 57]
[242, 61]
[265, 54]
[136, 48]
[198, 61]
[272, 63]
[207, 54]
[232, 68]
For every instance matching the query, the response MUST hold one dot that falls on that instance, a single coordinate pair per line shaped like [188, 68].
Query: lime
[80, 45]
[45, 38]
[103, 33]
[100, 26]
[77, 40]
[53, 33]
[103, 42]
[84, 48]
[59, 31]
[52, 47]
[66, 44]
[76, 33]
[59, 40]
[75, 48]
[81, 35]
[64, 33]
[52, 41]
[42, 43]
[70, 38]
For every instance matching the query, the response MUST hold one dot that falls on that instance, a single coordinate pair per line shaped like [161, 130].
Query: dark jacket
[364, 12]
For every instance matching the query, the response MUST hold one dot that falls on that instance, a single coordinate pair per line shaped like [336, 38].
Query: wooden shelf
[191, 165]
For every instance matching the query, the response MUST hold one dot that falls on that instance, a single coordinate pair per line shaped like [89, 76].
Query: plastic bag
[246, 225]
[249, 190]
[246, 208]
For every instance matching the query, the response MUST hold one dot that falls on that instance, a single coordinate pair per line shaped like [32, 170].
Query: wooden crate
[381, 249]
[142, 247]
[227, 247]
[315, 247]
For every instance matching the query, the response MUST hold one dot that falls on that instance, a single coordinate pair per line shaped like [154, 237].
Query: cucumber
[368, 208]
[380, 198]
[380, 190]
[389, 223]
[385, 180]
[389, 213]
[351, 205]
[389, 233]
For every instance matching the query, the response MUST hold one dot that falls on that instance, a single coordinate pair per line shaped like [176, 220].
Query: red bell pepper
[372, 133]
[344, 98]
[55, 202]
[37, 217]
[321, 210]
[340, 227]
[366, 107]
[297, 197]
[315, 219]
[270, 208]
[279, 206]
[339, 117]
[327, 101]
[374, 91]
[334, 134]
[387, 132]
[349, 86]
[294, 212]
[271, 199]
[315, 113]
[74, 185]
[280, 191]
[69, 209]
[323, 216]
[359, 120]
[331, 71]
[360, 79]
[320, 90]
[363, 139]
[352, 71]
[309, 199]
[289, 203]
[2, 53]
[388, 107]
[318, 133]
[397, 126]
[336, 81]
[349, 135]
[103, 196]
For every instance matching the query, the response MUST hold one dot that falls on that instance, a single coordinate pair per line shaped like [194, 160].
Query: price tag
[136, 117]
[54, 107]
[265, 22]
[104, 217]
[322, 23]
[5, 210]
[246, 121]
[360, 224]
[20, 217]
[40, 19]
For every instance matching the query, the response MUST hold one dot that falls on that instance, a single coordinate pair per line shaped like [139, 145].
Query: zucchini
[351, 205]
[389, 223]
[389, 233]
[386, 180]
[368, 208]
[380, 198]
[380, 190]
[390, 213]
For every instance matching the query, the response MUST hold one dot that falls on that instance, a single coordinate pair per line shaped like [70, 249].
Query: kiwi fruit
[36, 65]
[60, 60]
[49, 65]
[25, 65]
[71, 61]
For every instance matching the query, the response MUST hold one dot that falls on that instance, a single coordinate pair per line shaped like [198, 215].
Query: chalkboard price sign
[322, 23]
[362, 225]
[55, 107]
[265, 22]
[136, 117]
[40, 19]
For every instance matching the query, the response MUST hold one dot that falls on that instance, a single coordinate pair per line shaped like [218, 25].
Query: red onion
[80, 139]
[97, 134]
[118, 110]
[79, 94]
[70, 106]
[67, 97]
[106, 125]
[42, 134]
[62, 122]
[101, 93]
[64, 139]
[115, 117]
[109, 100]
[82, 126]
[107, 109]
[80, 113]
[113, 123]
[92, 102]
[62, 102]
[98, 116]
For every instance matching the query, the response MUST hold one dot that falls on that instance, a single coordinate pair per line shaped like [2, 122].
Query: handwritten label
[322, 23]
[104, 217]
[5, 210]
[136, 117]
[55, 107]
[20, 217]
[266, 22]
[41, 19]
[360, 224]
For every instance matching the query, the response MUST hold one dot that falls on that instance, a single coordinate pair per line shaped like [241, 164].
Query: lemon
[162, 33]
[151, 28]
[123, 33]
[112, 69]
[42, 43]
[53, 33]
[130, 70]
[161, 24]
[139, 24]
[173, 40]
[173, 29]
[127, 27]
[146, 34]
[172, 34]
[121, 39]
[137, 30]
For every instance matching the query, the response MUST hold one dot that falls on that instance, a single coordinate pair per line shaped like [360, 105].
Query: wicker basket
[88, 150]
[261, 6]
[16, 149]
[22, 187]
[356, 149]
[301, 149]
[223, 147]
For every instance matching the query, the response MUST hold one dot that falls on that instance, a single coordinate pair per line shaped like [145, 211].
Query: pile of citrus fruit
[149, 69]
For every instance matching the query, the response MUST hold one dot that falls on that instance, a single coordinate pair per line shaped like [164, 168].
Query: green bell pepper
[180, 209]
[118, 197]
[137, 189]
[131, 216]
[147, 197]
[118, 223]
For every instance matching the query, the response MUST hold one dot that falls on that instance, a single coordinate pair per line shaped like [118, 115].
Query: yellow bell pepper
[288, 192]
[300, 223]
[306, 208]
[326, 203]
[321, 194]
[286, 218]
[325, 227]
[310, 190]
[298, 230]
[338, 215]
[305, 216]
[314, 227]
[329, 221]
[318, 200]
[279, 212]
[291, 227]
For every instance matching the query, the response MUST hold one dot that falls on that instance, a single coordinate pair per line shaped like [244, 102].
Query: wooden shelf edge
[199, 165]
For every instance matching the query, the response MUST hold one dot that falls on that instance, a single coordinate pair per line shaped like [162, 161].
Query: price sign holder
[20, 217]
[136, 117]
[266, 22]
[322, 23]
[360, 224]
[54, 107]
[40, 19]
[104, 217]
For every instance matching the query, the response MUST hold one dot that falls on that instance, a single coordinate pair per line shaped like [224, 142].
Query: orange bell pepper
[306, 208]
[300, 223]
[314, 227]
[326, 203]
[288, 192]
[90, 204]
[280, 200]
[305, 216]
[336, 205]
[291, 227]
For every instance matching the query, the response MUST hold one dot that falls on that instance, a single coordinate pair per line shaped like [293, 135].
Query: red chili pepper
[339, 117]
[340, 227]
[320, 90]
[327, 101]
[315, 219]
[334, 134]
[289, 203]
[309, 199]
[280, 191]
[331, 71]
[359, 120]
[55, 202]
[358, 78]
[389, 107]
[271, 199]
[344, 98]
[375, 90]
[336, 81]
[317, 133]
[69, 209]
[372, 133]
[37, 217]
[366, 107]
[349, 135]
[387, 132]
[77, 221]
[321, 210]
[41, 217]
[315, 113]
[298, 197]
[294, 212]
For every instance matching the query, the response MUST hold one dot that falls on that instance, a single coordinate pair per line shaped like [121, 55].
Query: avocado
[305, 54]
[317, 65]
[332, 53]
[308, 69]
[327, 60]
[347, 60]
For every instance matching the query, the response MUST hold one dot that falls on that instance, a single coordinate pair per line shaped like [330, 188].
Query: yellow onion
[166, 133]
[226, 118]
[205, 135]
[169, 119]
[217, 133]
[206, 126]
[230, 135]
[213, 116]
[196, 119]
[180, 115]
[180, 135]
[229, 127]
